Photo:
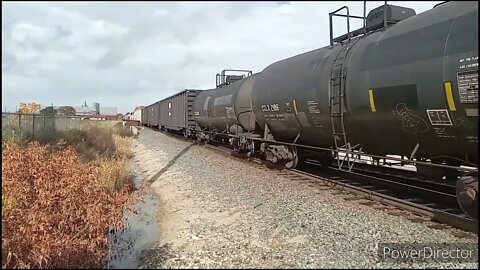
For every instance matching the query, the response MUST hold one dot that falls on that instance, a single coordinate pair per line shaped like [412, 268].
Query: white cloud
[133, 53]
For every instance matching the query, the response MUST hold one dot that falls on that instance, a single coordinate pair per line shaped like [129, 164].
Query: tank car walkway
[218, 211]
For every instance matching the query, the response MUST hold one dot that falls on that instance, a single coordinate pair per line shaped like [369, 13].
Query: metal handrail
[331, 22]
[364, 18]
[348, 16]
[220, 78]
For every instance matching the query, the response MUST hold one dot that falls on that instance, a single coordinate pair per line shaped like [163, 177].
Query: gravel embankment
[222, 212]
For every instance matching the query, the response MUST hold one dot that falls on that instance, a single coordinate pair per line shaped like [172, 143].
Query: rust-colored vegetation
[58, 208]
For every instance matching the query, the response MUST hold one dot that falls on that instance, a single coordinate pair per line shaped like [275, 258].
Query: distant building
[108, 110]
[96, 105]
[95, 110]
[135, 115]
[82, 110]
[138, 113]
[100, 117]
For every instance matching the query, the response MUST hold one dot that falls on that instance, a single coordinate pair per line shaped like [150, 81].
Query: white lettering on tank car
[439, 117]
[270, 107]
[467, 83]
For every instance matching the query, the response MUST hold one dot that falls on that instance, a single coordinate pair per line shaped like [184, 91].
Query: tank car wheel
[467, 195]
[294, 162]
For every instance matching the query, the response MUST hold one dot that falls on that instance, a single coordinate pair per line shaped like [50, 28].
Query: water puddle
[141, 230]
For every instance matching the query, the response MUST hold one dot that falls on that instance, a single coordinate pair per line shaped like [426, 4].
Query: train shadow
[169, 164]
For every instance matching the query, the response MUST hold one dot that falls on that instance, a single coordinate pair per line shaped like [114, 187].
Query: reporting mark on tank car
[270, 107]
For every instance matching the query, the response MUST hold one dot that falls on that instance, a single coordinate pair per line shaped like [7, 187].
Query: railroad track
[431, 200]
[438, 206]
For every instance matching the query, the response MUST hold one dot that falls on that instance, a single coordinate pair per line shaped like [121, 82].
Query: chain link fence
[33, 125]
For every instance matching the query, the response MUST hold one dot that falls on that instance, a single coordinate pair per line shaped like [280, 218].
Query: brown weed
[57, 215]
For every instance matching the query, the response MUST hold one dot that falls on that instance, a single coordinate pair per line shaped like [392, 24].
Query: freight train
[404, 84]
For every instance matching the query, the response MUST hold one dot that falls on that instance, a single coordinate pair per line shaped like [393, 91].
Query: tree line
[33, 108]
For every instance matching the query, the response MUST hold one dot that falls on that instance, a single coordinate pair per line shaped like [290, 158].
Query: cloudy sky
[125, 54]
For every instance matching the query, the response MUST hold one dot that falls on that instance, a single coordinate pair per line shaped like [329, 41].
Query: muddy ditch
[141, 230]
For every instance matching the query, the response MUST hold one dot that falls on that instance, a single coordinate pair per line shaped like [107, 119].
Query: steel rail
[440, 187]
[434, 214]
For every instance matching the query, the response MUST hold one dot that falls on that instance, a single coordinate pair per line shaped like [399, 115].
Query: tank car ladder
[337, 108]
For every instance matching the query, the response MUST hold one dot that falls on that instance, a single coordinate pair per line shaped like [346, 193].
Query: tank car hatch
[376, 18]
[226, 77]
[233, 78]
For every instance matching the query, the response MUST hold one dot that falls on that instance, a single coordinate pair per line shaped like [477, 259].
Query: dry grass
[102, 124]
[123, 146]
[93, 142]
[123, 131]
[113, 173]
[7, 203]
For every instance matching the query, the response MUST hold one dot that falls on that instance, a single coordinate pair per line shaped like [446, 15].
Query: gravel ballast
[218, 211]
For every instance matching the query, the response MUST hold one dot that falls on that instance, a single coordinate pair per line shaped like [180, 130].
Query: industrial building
[95, 111]
[135, 115]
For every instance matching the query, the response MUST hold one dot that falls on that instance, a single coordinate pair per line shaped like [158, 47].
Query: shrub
[91, 143]
[13, 136]
[56, 214]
